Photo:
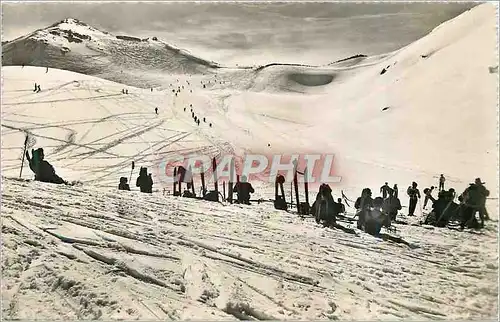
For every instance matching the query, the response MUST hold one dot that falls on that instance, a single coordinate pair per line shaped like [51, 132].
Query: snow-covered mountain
[75, 46]
[93, 252]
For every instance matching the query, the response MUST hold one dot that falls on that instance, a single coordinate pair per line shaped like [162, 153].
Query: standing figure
[363, 205]
[145, 181]
[391, 206]
[395, 189]
[414, 195]
[428, 195]
[384, 190]
[156, 110]
[441, 182]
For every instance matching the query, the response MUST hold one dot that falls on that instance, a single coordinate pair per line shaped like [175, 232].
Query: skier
[126, 91]
[441, 182]
[443, 209]
[47, 70]
[184, 109]
[156, 110]
[243, 189]
[43, 170]
[414, 195]
[123, 184]
[391, 206]
[384, 190]
[341, 206]
[374, 218]
[363, 205]
[204, 120]
[473, 200]
[395, 189]
[210, 124]
[428, 195]
[35, 88]
[144, 182]
[151, 89]
[325, 209]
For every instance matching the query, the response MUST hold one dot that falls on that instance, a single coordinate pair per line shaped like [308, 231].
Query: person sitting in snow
[43, 170]
[144, 181]
[324, 208]
[374, 218]
[243, 189]
[123, 184]
[443, 209]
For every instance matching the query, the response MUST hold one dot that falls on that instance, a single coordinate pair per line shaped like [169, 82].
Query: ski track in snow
[84, 253]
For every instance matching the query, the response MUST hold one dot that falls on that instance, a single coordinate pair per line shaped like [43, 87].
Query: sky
[247, 32]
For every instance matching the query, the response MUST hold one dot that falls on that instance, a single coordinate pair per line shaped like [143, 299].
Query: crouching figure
[324, 208]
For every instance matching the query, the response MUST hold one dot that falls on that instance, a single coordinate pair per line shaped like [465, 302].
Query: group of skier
[372, 213]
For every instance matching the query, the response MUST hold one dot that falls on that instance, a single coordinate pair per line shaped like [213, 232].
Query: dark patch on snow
[71, 36]
[129, 38]
[386, 108]
[311, 79]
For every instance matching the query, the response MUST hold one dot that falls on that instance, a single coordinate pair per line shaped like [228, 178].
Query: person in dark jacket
[123, 184]
[443, 209]
[428, 195]
[243, 189]
[374, 218]
[362, 205]
[144, 181]
[441, 182]
[341, 206]
[43, 170]
[391, 206]
[325, 209]
[473, 200]
[414, 195]
[384, 190]
[395, 189]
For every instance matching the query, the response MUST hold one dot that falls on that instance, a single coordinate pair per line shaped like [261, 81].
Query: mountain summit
[76, 46]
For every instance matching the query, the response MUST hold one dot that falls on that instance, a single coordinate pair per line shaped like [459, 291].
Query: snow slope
[79, 252]
[441, 119]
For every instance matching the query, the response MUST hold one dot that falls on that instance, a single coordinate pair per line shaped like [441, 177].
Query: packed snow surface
[78, 252]
[89, 251]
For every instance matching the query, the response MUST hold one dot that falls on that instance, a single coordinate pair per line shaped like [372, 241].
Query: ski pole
[24, 154]
[133, 166]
